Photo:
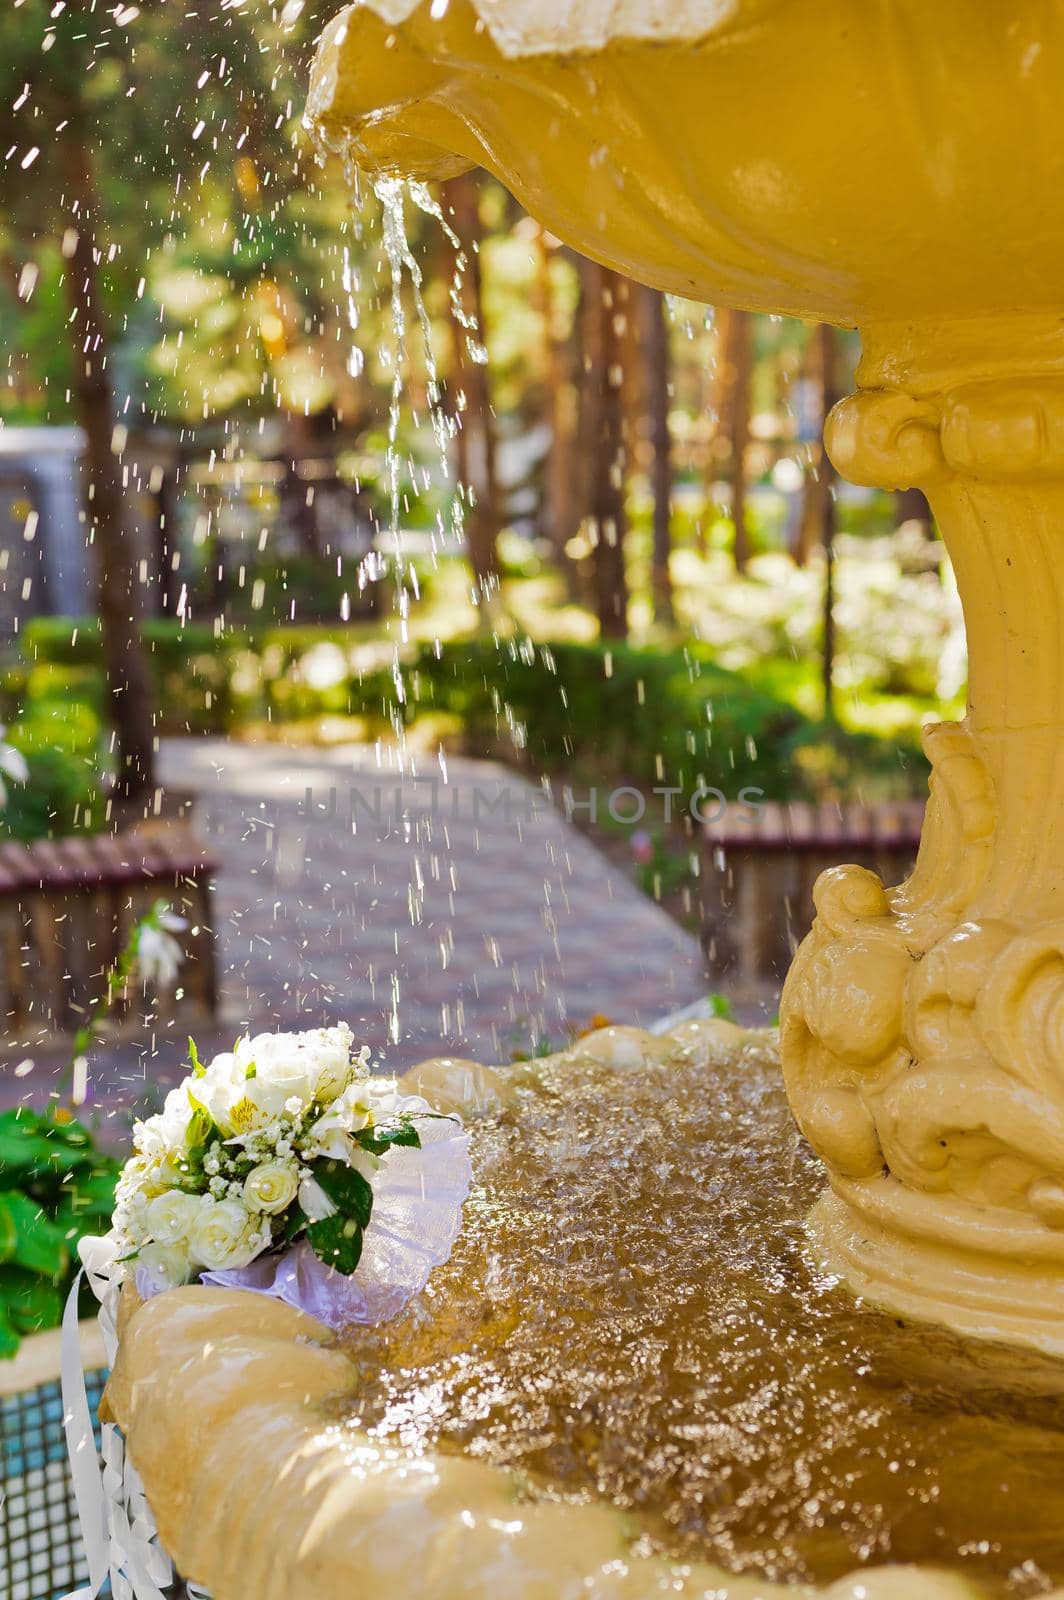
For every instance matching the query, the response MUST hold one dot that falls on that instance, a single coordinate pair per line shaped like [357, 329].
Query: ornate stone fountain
[897, 167]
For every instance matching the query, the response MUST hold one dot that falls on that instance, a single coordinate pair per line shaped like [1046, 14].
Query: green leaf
[28, 1238]
[30, 1302]
[294, 1223]
[721, 1006]
[337, 1241]
[378, 1141]
[198, 1069]
[32, 1147]
[71, 1133]
[347, 1189]
[201, 1126]
[9, 1338]
[89, 1196]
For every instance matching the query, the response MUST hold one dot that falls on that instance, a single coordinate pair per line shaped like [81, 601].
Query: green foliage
[123, 90]
[337, 1241]
[661, 869]
[59, 734]
[56, 1186]
[647, 716]
[720, 1005]
[348, 1190]
[652, 717]
[379, 1140]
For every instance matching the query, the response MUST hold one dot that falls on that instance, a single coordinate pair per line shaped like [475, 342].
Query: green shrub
[61, 641]
[651, 716]
[59, 732]
[644, 715]
[56, 1186]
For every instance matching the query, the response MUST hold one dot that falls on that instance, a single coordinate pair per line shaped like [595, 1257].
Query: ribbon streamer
[117, 1527]
[85, 1466]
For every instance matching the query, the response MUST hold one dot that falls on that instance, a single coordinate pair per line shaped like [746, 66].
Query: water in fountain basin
[630, 1313]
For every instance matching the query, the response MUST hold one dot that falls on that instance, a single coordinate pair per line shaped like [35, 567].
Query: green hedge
[56, 1186]
[632, 714]
[58, 729]
[208, 682]
[651, 715]
[647, 716]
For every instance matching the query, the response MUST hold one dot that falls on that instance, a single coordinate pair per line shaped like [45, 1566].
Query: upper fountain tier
[849, 160]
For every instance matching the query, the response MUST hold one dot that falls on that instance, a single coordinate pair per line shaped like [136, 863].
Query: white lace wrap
[417, 1211]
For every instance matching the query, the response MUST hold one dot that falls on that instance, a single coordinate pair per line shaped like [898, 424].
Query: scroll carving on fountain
[923, 1026]
[839, 161]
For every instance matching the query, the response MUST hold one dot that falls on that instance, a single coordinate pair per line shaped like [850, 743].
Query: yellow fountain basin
[856, 161]
[629, 1380]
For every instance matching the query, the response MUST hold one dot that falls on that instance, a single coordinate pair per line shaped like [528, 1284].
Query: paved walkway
[447, 906]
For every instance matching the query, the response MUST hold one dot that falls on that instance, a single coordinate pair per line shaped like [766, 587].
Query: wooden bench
[758, 872]
[67, 909]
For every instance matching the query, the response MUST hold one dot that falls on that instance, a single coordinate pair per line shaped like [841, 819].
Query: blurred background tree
[183, 277]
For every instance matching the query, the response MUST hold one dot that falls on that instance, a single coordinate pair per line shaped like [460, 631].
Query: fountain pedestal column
[923, 1026]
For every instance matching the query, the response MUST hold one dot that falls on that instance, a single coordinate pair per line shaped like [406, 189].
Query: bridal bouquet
[270, 1152]
[282, 1167]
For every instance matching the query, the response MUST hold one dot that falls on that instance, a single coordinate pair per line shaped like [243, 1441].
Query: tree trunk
[910, 505]
[129, 687]
[561, 507]
[656, 376]
[476, 447]
[735, 364]
[811, 516]
[605, 300]
[166, 538]
[296, 496]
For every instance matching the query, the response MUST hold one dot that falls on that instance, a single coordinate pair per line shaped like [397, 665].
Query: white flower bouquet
[263, 1170]
[283, 1167]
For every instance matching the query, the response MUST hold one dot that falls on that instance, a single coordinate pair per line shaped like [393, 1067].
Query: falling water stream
[403, 267]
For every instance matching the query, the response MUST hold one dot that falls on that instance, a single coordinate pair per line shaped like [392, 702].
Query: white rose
[304, 1066]
[332, 1047]
[170, 1217]
[176, 1118]
[271, 1187]
[167, 1266]
[223, 1235]
[283, 1072]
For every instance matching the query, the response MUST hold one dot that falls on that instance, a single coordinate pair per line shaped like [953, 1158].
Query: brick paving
[447, 906]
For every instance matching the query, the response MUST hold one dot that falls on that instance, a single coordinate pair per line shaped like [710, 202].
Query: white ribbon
[118, 1529]
[85, 1468]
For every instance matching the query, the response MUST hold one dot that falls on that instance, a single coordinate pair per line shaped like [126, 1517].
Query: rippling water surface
[629, 1313]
